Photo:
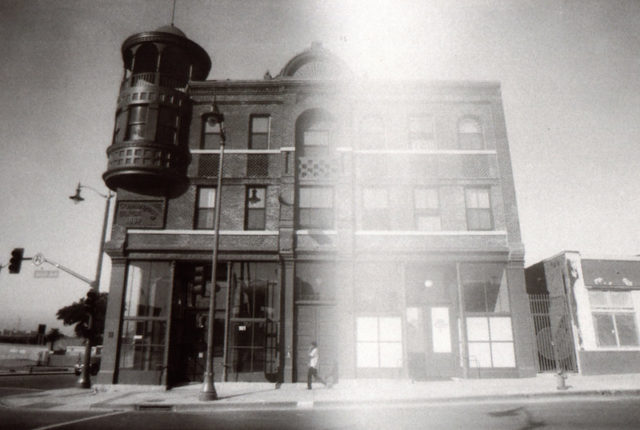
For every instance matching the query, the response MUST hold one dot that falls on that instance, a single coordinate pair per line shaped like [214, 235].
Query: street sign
[38, 259]
[46, 273]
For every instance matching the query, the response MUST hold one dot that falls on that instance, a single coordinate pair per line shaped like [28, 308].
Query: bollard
[561, 379]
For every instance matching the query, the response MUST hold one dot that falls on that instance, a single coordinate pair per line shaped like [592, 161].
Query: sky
[569, 70]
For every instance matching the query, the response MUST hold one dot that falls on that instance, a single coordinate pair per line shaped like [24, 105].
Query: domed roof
[315, 63]
[171, 29]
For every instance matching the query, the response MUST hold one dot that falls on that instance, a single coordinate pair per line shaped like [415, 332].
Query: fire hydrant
[561, 379]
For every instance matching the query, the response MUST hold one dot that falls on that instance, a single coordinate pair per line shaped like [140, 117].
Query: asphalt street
[570, 413]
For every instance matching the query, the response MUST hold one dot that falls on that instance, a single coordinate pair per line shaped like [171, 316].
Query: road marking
[53, 426]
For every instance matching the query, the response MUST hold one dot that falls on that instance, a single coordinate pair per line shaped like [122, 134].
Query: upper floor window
[167, 125]
[372, 134]
[315, 208]
[260, 132]
[614, 318]
[470, 134]
[375, 209]
[205, 208]
[137, 121]
[211, 133]
[421, 132]
[317, 134]
[478, 206]
[426, 206]
[255, 218]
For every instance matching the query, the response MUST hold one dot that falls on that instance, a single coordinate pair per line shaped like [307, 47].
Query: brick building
[377, 218]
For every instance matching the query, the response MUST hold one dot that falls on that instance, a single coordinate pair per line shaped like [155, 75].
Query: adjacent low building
[376, 218]
[587, 312]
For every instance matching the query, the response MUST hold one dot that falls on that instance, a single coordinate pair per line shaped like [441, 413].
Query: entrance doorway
[429, 343]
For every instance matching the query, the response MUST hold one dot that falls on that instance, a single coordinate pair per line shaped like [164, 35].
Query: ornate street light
[208, 388]
[85, 379]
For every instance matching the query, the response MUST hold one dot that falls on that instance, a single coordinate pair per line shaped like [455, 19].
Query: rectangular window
[375, 209]
[426, 207]
[211, 133]
[379, 342]
[136, 122]
[205, 209]
[421, 134]
[485, 288]
[315, 208]
[167, 125]
[490, 342]
[255, 218]
[146, 305]
[614, 318]
[478, 206]
[260, 129]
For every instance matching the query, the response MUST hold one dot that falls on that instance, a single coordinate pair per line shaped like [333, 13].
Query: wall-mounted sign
[140, 214]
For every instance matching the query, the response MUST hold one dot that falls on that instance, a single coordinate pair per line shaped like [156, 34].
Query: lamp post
[208, 388]
[85, 379]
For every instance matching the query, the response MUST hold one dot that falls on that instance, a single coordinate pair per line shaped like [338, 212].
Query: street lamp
[208, 388]
[85, 379]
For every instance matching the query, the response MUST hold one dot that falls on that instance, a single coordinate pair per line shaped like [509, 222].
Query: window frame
[249, 210]
[470, 210]
[378, 342]
[379, 214]
[209, 210]
[204, 133]
[421, 134]
[139, 124]
[432, 212]
[463, 142]
[612, 310]
[326, 209]
[253, 134]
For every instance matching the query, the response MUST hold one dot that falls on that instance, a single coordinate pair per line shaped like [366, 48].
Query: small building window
[255, 218]
[375, 209]
[136, 122]
[614, 318]
[379, 342]
[259, 132]
[470, 134]
[211, 133]
[167, 125]
[315, 208]
[205, 208]
[317, 134]
[426, 207]
[478, 206]
[421, 133]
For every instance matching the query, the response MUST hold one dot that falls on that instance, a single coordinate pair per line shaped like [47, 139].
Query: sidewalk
[243, 395]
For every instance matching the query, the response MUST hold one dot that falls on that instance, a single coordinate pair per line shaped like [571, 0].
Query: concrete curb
[332, 404]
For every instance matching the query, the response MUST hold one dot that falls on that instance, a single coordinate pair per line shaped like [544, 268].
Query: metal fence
[554, 335]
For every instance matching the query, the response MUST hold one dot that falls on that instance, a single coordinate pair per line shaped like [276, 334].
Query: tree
[53, 336]
[94, 304]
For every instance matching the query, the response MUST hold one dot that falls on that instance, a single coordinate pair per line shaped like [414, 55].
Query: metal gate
[554, 336]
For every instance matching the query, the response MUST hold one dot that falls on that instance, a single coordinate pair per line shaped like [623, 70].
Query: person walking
[314, 357]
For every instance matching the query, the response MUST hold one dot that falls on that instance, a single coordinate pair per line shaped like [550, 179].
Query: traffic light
[16, 260]
[198, 280]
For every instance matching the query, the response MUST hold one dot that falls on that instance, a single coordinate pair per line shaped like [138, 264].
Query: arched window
[314, 133]
[470, 134]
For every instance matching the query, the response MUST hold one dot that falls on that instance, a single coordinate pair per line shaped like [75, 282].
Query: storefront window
[486, 302]
[146, 309]
[315, 281]
[379, 342]
[614, 318]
